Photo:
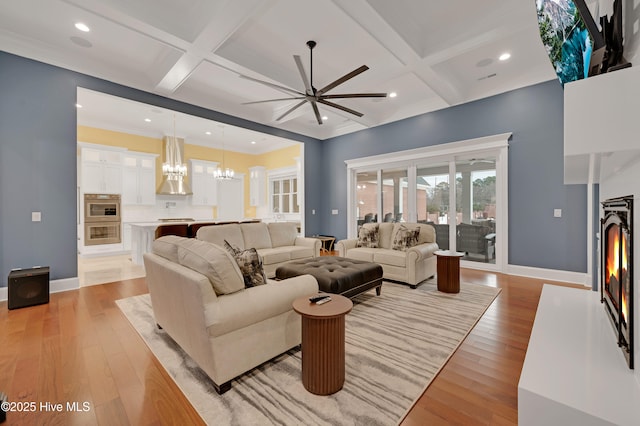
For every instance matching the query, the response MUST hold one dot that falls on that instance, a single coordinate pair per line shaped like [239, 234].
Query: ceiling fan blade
[355, 95]
[273, 100]
[290, 110]
[303, 74]
[343, 108]
[343, 79]
[275, 86]
[315, 110]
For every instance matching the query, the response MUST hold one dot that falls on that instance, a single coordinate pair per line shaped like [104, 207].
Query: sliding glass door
[366, 193]
[432, 199]
[460, 191]
[476, 208]
[394, 194]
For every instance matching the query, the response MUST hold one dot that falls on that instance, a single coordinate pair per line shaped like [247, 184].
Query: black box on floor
[3, 414]
[28, 287]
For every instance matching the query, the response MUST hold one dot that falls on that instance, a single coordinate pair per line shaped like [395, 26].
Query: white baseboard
[581, 278]
[55, 286]
[65, 284]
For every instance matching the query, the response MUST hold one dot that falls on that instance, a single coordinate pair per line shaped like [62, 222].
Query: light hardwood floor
[80, 348]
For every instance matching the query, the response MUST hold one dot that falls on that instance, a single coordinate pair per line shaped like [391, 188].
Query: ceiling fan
[313, 95]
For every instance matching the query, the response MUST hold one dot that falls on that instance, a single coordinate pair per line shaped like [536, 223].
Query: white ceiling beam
[362, 14]
[224, 24]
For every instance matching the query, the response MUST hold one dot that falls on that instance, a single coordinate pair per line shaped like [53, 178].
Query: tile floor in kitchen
[106, 269]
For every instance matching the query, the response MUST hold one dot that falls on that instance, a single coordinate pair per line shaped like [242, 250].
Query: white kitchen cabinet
[139, 179]
[101, 171]
[257, 186]
[203, 183]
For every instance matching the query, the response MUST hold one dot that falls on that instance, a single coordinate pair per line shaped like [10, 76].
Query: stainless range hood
[173, 168]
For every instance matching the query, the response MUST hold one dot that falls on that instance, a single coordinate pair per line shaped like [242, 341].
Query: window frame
[497, 145]
[280, 176]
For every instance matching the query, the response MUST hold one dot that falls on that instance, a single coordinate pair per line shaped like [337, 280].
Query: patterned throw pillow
[368, 236]
[405, 238]
[250, 265]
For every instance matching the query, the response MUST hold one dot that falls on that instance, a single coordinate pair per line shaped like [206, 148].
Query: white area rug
[395, 345]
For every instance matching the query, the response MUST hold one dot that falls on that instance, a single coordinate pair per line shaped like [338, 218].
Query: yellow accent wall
[239, 162]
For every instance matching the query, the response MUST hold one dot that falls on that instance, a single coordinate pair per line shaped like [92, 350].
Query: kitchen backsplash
[166, 207]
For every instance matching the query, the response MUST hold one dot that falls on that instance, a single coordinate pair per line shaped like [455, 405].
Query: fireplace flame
[613, 255]
[616, 278]
[624, 307]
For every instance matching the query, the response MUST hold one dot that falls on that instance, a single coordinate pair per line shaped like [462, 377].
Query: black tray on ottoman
[337, 275]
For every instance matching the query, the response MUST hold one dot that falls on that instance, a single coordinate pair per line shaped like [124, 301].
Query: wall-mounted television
[571, 37]
[575, 44]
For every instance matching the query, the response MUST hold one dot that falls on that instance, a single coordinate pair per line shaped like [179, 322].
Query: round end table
[448, 270]
[323, 343]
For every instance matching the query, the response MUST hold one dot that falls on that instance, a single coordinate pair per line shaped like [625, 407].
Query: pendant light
[221, 172]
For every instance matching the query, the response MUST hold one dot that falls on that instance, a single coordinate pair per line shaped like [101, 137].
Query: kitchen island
[143, 233]
[142, 236]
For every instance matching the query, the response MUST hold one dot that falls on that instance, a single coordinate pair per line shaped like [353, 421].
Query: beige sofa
[199, 298]
[412, 266]
[276, 242]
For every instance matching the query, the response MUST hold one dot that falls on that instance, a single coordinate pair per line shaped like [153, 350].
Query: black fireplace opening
[616, 291]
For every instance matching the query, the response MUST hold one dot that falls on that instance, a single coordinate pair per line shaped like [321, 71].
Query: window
[284, 195]
[459, 188]
[394, 194]
[366, 193]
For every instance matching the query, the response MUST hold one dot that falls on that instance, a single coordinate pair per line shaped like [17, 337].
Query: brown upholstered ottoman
[337, 275]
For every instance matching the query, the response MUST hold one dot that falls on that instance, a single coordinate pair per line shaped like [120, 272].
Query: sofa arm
[249, 306]
[345, 245]
[309, 242]
[422, 251]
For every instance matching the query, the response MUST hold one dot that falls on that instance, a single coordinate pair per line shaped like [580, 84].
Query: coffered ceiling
[433, 54]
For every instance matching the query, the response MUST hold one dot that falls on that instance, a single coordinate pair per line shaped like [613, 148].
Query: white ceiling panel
[196, 50]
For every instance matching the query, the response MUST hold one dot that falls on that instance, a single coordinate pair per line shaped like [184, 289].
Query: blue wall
[38, 165]
[535, 117]
[38, 161]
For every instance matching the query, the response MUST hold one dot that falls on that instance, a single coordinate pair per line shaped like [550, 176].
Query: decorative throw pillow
[368, 236]
[405, 238]
[250, 265]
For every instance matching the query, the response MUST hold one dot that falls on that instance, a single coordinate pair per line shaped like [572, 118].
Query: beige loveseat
[412, 266]
[276, 242]
[199, 298]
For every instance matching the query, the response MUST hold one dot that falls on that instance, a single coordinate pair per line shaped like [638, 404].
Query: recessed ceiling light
[82, 27]
[504, 56]
[325, 118]
[207, 133]
[148, 120]
[253, 142]
[393, 94]
[78, 106]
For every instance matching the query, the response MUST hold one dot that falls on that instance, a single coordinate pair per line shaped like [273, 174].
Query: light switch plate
[334, 211]
[36, 216]
[557, 212]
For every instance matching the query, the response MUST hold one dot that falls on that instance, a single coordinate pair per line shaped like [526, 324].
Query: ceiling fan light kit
[314, 96]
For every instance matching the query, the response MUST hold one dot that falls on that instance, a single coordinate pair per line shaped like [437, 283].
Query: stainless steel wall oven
[102, 220]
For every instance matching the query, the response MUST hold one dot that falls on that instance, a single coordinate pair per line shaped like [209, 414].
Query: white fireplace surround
[563, 369]
[574, 372]
[602, 146]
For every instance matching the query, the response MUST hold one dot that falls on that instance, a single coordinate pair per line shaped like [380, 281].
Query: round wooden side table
[323, 349]
[448, 271]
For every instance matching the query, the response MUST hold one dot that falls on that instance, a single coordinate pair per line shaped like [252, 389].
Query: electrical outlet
[313, 211]
[36, 216]
[557, 212]
[334, 211]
